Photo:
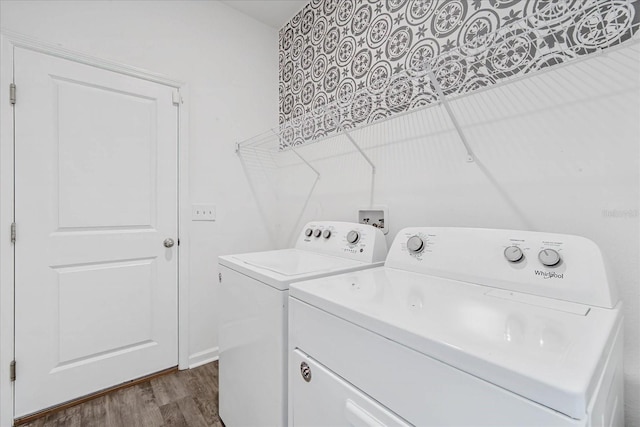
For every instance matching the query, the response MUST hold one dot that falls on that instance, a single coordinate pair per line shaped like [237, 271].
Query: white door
[96, 196]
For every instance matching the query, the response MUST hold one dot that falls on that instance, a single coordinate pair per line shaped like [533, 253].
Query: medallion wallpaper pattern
[357, 61]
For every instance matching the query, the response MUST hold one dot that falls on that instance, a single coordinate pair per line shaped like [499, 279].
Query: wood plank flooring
[185, 398]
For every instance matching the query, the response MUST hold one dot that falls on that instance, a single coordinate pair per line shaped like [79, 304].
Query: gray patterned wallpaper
[366, 58]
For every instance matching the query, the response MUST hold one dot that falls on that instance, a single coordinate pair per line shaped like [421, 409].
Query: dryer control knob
[549, 257]
[326, 234]
[308, 232]
[415, 244]
[513, 254]
[317, 233]
[353, 236]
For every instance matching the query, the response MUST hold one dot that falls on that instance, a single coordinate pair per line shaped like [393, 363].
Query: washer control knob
[308, 232]
[353, 236]
[415, 244]
[317, 232]
[326, 234]
[513, 254]
[549, 257]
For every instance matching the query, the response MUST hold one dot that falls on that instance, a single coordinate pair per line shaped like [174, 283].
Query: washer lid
[281, 267]
[549, 351]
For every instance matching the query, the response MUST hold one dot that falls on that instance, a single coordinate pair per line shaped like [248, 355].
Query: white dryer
[253, 314]
[461, 327]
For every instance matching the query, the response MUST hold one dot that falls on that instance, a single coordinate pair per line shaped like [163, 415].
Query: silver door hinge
[176, 98]
[12, 370]
[13, 232]
[220, 277]
[12, 93]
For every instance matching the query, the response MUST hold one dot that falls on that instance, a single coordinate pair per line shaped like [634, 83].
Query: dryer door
[318, 397]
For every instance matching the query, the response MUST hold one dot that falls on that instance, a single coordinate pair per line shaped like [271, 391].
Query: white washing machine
[253, 314]
[461, 327]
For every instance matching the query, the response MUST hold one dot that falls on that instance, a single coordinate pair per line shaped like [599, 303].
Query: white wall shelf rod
[301, 158]
[339, 128]
[306, 162]
[452, 116]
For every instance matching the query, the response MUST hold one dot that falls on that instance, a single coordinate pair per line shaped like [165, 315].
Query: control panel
[564, 267]
[350, 240]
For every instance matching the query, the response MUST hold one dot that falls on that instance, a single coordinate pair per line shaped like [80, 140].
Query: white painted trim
[19, 40]
[184, 221]
[8, 41]
[204, 357]
[6, 218]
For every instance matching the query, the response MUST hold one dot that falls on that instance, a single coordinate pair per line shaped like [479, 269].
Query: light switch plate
[203, 212]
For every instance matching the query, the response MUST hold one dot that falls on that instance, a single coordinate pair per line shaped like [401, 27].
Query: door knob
[168, 242]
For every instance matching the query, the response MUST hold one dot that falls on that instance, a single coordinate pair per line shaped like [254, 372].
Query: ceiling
[274, 13]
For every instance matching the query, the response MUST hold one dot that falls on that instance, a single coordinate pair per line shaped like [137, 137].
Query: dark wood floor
[184, 398]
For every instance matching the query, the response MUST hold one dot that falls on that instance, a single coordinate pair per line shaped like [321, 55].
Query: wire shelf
[561, 33]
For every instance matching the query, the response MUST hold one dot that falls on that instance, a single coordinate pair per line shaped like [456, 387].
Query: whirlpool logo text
[549, 274]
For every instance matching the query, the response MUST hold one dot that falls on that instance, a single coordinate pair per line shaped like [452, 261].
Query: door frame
[8, 42]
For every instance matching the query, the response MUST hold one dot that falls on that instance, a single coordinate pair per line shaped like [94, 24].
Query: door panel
[121, 287]
[96, 195]
[106, 173]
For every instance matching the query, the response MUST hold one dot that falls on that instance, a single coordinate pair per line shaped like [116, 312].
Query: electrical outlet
[203, 212]
[377, 216]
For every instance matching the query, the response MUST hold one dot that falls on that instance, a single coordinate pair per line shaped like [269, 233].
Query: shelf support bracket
[293, 150]
[452, 116]
[309, 194]
[339, 128]
[306, 163]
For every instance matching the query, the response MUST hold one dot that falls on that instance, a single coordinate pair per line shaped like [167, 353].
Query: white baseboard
[203, 357]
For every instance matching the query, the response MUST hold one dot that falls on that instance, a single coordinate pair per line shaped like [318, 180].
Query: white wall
[557, 152]
[230, 62]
